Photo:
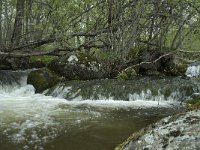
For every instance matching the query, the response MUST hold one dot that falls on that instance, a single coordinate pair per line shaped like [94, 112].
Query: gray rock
[171, 133]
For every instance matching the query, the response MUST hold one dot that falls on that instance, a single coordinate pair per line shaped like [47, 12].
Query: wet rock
[42, 79]
[180, 132]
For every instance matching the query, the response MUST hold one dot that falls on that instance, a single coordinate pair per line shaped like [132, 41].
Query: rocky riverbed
[174, 132]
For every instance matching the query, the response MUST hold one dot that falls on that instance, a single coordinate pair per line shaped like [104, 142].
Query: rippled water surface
[35, 121]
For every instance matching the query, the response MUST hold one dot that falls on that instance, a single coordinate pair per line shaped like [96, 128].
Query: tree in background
[114, 26]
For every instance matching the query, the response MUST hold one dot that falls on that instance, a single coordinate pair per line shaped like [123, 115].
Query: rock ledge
[172, 133]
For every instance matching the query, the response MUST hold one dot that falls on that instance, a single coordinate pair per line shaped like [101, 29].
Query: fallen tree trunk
[18, 54]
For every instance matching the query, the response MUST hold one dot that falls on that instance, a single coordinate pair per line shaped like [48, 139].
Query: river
[84, 115]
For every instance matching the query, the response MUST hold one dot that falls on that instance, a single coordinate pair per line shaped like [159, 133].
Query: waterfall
[167, 90]
[193, 70]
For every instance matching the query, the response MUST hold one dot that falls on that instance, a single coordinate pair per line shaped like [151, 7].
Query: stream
[84, 115]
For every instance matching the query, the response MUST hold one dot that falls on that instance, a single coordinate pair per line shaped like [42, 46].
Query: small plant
[123, 76]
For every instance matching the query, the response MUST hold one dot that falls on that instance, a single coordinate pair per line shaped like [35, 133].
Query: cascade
[170, 90]
[193, 70]
[31, 120]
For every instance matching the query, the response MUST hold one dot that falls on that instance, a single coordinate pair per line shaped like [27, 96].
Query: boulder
[174, 132]
[42, 79]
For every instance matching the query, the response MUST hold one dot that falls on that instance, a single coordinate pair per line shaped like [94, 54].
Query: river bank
[177, 132]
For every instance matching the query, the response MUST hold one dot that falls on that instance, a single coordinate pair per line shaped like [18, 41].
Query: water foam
[193, 70]
[33, 119]
[26, 116]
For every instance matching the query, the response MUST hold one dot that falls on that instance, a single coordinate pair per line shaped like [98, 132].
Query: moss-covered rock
[194, 103]
[42, 79]
[181, 68]
[41, 61]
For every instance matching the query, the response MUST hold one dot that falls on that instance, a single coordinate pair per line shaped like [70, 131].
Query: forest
[115, 29]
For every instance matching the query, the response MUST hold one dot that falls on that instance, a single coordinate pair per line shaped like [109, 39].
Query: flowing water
[193, 70]
[83, 115]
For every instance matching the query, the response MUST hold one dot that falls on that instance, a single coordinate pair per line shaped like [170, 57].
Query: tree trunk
[27, 22]
[1, 20]
[7, 24]
[18, 26]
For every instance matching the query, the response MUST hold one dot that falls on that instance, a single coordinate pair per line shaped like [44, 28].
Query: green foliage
[43, 59]
[121, 27]
[123, 76]
[126, 74]
[181, 68]
[134, 51]
[192, 42]
[101, 54]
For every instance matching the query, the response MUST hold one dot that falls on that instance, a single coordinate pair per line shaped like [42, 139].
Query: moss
[43, 59]
[181, 68]
[167, 92]
[133, 137]
[193, 103]
[42, 79]
[135, 50]
[101, 54]
[123, 76]
[128, 73]
[154, 92]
